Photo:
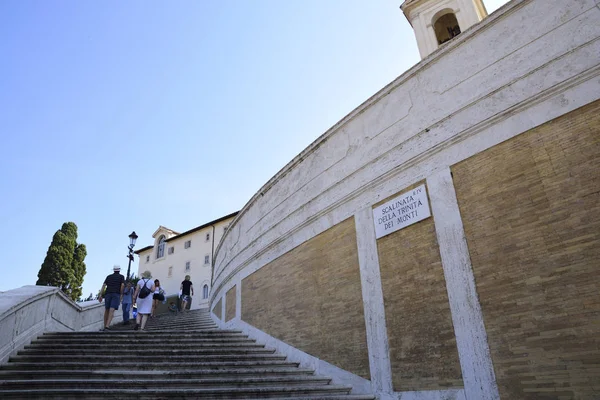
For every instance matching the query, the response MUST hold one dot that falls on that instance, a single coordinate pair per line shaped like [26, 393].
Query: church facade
[442, 241]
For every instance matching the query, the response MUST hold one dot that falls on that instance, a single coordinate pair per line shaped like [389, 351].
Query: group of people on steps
[117, 291]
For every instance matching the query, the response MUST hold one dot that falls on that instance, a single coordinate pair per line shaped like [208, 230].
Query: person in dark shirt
[186, 288]
[114, 284]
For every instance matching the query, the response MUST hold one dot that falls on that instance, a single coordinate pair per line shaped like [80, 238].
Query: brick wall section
[531, 211]
[421, 336]
[311, 299]
[230, 304]
[218, 308]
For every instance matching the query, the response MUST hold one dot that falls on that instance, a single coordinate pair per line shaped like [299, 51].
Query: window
[187, 266]
[170, 272]
[446, 27]
[171, 250]
[206, 259]
[160, 251]
[207, 237]
[187, 244]
[205, 292]
[147, 258]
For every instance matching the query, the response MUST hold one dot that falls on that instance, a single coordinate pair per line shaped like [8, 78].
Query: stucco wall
[200, 271]
[527, 64]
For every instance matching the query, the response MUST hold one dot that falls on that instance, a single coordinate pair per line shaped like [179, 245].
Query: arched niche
[445, 25]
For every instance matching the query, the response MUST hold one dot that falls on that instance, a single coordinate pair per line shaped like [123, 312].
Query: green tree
[133, 279]
[78, 267]
[64, 265]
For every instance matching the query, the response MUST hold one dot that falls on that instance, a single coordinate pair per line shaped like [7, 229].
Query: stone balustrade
[29, 311]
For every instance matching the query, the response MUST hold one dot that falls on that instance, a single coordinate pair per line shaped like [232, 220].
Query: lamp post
[132, 238]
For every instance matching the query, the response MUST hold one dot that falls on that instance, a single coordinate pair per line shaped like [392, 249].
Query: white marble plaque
[404, 210]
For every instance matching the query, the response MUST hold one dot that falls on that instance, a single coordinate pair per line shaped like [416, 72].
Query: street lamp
[132, 238]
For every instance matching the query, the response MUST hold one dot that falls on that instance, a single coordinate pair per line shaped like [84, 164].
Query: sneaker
[101, 329]
[106, 328]
[136, 327]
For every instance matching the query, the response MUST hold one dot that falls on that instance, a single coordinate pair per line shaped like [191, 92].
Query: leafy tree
[63, 266]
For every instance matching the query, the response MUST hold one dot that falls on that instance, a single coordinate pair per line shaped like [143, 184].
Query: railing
[29, 311]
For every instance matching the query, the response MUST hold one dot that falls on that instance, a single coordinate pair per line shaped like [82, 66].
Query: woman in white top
[158, 296]
[144, 306]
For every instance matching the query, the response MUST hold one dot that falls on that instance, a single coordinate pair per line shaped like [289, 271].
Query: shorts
[112, 300]
[158, 296]
[186, 298]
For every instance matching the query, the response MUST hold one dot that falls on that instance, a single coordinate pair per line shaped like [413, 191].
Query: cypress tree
[63, 266]
[78, 268]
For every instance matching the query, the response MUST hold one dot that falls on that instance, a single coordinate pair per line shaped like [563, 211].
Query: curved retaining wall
[498, 130]
[29, 311]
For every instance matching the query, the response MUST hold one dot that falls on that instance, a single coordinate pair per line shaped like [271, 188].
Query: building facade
[442, 241]
[174, 255]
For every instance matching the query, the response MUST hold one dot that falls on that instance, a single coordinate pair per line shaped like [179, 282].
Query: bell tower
[436, 22]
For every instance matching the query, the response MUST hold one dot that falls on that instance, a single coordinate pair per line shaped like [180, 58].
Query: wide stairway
[183, 356]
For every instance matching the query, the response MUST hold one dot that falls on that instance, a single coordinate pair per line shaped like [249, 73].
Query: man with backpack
[186, 287]
[114, 284]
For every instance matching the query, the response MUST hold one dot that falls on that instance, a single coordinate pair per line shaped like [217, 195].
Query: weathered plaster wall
[527, 64]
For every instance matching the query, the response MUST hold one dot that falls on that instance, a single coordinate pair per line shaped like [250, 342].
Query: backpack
[144, 292]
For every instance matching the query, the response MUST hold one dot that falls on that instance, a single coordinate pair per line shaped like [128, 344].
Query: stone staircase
[182, 356]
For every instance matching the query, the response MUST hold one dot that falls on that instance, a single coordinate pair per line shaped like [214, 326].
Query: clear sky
[127, 115]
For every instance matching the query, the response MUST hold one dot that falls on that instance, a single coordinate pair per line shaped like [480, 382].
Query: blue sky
[128, 115]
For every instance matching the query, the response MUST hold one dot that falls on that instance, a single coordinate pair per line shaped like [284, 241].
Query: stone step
[138, 346]
[133, 336]
[164, 383]
[141, 359]
[152, 393]
[189, 328]
[153, 374]
[182, 320]
[173, 333]
[182, 327]
[142, 353]
[166, 365]
[183, 356]
[182, 317]
[144, 340]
